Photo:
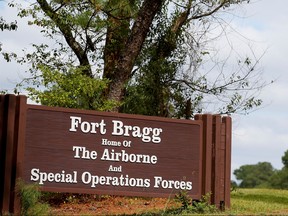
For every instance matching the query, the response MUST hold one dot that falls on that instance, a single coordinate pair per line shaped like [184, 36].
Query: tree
[256, 175]
[279, 179]
[285, 159]
[130, 56]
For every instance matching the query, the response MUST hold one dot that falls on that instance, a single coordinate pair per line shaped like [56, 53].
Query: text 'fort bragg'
[146, 134]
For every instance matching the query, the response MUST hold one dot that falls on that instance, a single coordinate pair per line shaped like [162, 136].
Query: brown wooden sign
[80, 151]
[95, 152]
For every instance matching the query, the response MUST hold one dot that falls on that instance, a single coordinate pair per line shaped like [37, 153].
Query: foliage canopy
[257, 175]
[133, 56]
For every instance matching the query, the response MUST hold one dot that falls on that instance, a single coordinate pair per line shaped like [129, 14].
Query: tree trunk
[120, 73]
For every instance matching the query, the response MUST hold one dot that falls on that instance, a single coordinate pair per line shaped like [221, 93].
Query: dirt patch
[113, 205]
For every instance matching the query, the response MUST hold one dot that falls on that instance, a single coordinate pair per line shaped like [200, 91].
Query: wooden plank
[12, 113]
[216, 165]
[2, 147]
[9, 150]
[19, 144]
[228, 143]
[222, 166]
[207, 152]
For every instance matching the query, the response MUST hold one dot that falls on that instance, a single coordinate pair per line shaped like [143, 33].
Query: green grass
[259, 202]
[252, 202]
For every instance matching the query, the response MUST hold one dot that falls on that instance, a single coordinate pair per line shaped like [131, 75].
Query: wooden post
[2, 147]
[12, 113]
[216, 159]
[20, 129]
[8, 150]
[207, 153]
[227, 176]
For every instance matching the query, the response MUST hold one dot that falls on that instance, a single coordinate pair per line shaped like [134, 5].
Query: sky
[257, 137]
[263, 135]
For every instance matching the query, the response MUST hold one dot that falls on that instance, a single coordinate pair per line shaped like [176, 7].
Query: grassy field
[259, 202]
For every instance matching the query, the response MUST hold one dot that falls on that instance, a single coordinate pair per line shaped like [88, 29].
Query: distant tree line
[263, 175]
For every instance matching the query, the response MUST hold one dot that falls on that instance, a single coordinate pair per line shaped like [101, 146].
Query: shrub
[190, 206]
[30, 196]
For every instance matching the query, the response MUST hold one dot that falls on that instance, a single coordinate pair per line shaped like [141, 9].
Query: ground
[111, 205]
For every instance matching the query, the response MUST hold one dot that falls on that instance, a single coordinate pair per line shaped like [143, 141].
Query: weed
[190, 206]
[203, 206]
[184, 198]
[30, 196]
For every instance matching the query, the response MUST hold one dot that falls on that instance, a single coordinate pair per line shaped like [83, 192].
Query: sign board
[82, 151]
[68, 150]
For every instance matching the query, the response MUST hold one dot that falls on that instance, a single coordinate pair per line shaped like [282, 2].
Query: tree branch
[210, 12]
[67, 33]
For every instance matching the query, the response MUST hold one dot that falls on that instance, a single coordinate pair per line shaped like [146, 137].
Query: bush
[203, 206]
[190, 206]
[30, 196]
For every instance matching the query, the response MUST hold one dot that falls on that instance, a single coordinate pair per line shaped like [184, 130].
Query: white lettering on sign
[115, 168]
[125, 157]
[183, 185]
[110, 143]
[87, 127]
[62, 177]
[81, 152]
[94, 180]
[147, 134]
